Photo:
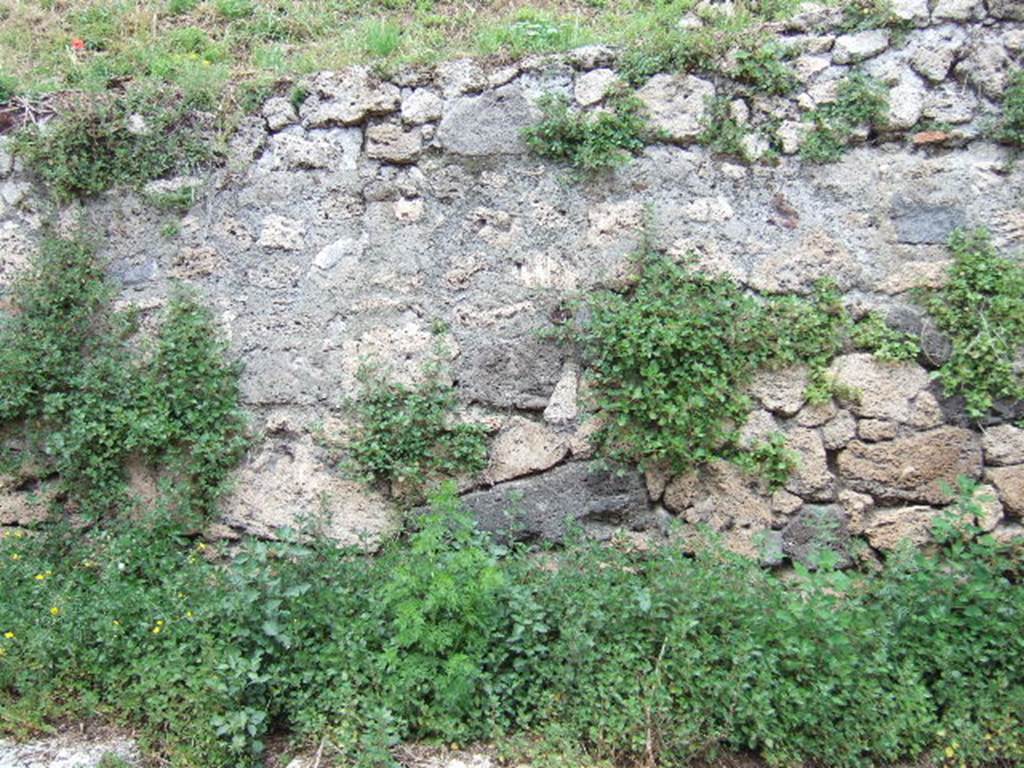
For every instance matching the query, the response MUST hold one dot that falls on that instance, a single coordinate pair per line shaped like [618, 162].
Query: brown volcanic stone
[1009, 482]
[913, 468]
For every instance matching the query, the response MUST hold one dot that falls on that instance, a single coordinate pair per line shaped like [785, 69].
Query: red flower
[78, 44]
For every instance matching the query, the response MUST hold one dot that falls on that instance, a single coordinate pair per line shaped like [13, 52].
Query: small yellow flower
[156, 630]
[8, 635]
[55, 611]
[117, 623]
[15, 556]
[188, 614]
[40, 577]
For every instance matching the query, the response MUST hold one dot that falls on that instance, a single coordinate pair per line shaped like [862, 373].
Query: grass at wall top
[233, 50]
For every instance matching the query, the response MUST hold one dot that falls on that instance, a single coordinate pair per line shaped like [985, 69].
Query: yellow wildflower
[8, 635]
[55, 611]
[15, 556]
[156, 630]
[40, 577]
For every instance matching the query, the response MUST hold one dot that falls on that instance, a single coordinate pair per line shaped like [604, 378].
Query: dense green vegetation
[861, 103]
[224, 51]
[613, 656]
[590, 141]
[408, 437]
[981, 309]
[669, 360]
[81, 394]
[102, 142]
[1010, 127]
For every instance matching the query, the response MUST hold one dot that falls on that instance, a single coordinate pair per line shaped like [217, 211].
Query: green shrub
[589, 142]
[1010, 127]
[871, 333]
[720, 131]
[100, 143]
[981, 309]
[408, 437]
[622, 656]
[862, 15]
[8, 88]
[861, 101]
[763, 67]
[668, 361]
[88, 401]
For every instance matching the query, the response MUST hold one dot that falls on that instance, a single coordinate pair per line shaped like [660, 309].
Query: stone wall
[351, 228]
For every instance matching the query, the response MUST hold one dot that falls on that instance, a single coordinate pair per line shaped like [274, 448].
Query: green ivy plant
[590, 141]
[981, 309]
[86, 395]
[407, 436]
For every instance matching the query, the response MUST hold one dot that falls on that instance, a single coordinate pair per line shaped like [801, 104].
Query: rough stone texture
[811, 479]
[797, 269]
[933, 52]
[563, 407]
[839, 431]
[676, 105]
[1009, 482]
[388, 209]
[347, 98]
[286, 479]
[600, 501]
[815, 531]
[887, 390]
[958, 10]
[522, 448]
[915, 11]
[987, 498]
[850, 49]
[721, 495]
[906, 102]
[489, 124]
[921, 222]
[1003, 445]
[591, 87]
[913, 468]
[279, 112]
[781, 391]
[69, 750]
[891, 528]
[421, 106]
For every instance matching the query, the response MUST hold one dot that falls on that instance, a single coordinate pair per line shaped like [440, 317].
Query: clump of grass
[530, 31]
[590, 141]
[102, 142]
[763, 68]
[383, 37]
[721, 132]
[861, 101]
[1010, 127]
